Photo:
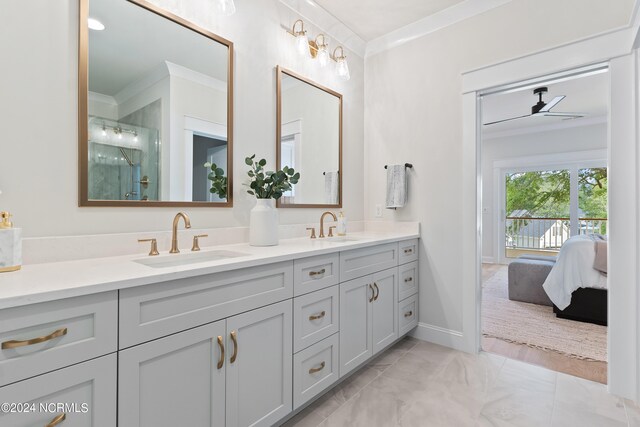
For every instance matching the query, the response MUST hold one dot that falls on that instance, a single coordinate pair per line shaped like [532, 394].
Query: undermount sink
[342, 239]
[187, 258]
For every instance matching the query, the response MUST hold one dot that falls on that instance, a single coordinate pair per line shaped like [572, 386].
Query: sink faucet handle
[331, 231]
[196, 243]
[154, 246]
[313, 232]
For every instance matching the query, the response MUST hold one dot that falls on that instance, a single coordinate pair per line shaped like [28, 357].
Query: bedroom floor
[416, 383]
[587, 369]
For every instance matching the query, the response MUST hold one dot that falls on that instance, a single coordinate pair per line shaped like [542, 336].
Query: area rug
[536, 325]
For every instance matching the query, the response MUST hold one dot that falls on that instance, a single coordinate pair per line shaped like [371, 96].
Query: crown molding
[437, 21]
[313, 14]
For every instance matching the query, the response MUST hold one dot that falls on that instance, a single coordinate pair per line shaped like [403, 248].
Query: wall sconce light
[302, 42]
[342, 68]
[225, 7]
[319, 49]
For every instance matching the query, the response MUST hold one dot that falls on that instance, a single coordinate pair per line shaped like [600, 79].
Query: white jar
[263, 223]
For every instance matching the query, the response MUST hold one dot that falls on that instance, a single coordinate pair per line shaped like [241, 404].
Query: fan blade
[551, 114]
[506, 120]
[551, 104]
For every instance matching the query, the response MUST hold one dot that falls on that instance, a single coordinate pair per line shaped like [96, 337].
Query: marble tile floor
[415, 383]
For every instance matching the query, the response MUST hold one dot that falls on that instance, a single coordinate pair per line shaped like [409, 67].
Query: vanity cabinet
[368, 317]
[234, 372]
[237, 348]
[82, 395]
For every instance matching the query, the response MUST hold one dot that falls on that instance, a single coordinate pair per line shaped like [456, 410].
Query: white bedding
[573, 270]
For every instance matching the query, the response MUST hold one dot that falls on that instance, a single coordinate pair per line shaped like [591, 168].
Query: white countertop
[51, 281]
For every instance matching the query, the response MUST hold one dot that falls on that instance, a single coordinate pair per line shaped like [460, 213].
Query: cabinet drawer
[408, 251]
[314, 273]
[88, 391]
[43, 337]
[315, 317]
[408, 280]
[153, 311]
[315, 369]
[408, 313]
[360, 262]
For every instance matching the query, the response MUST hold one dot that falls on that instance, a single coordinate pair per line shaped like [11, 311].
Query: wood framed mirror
[309, 139]
[155, 105]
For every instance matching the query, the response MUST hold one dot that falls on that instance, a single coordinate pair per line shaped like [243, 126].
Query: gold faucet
[322, 223]
[174, 236]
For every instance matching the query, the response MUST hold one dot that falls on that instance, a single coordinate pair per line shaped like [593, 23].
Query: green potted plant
[219, 181]
[267, 187]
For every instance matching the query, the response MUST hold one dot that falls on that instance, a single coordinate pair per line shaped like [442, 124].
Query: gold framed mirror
[309, 139]
[155, 106]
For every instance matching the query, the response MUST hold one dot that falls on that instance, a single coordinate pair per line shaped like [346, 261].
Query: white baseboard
[441, 336]
[488, 260]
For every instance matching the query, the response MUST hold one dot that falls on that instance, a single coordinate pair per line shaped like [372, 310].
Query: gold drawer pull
[408, 314]
[314, 370]
[57, 420]
[317, 316]
[221, 345]
[408, 251]
[408, 279]
[234, 338]
[15, 344]
[317, 273]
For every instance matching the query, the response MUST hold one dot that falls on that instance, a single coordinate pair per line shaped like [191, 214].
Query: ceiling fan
[542, 108]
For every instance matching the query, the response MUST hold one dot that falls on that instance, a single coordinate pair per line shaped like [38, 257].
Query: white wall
[593, 137]
[38, 160]
[414, 113]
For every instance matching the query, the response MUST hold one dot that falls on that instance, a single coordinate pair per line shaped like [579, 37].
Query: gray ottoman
[526, 276]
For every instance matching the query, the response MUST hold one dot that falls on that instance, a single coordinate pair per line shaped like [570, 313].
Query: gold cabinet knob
[196, 242]
[154, 246]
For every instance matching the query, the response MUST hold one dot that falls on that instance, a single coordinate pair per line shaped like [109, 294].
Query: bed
[577, 289]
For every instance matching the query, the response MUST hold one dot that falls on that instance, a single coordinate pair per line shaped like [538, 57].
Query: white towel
[331, 184]
[396, 186]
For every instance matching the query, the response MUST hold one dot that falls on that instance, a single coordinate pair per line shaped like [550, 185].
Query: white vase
[263, 223]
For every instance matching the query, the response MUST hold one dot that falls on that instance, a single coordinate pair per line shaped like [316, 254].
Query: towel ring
[406, 165]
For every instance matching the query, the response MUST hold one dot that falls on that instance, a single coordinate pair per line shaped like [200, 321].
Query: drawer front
[360, 262]
[153, 311]
[408, 280]
[408, 314]
[314, 273]
[315, 317]
[43, 337]
[315, 369]
[408, 251]
[87, 390]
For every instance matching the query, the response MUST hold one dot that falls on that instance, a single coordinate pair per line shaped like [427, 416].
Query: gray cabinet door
[259, 378]
[385, 308]
[174, 381]
[83, 395]
[356, 299]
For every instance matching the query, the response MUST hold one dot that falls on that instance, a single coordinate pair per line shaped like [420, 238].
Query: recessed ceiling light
[96, 25]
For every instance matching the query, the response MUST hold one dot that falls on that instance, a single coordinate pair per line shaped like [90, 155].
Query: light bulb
[104, 131]
[135, 138]
[302, 43]
[323, 57]
[119, 135]
[95, 25]
[225, 7]
[342, 69]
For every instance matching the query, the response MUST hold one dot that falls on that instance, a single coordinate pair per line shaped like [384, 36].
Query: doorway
[544, 181]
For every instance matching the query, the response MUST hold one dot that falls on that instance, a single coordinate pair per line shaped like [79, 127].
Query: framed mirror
[155, 105]
[309, 139]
